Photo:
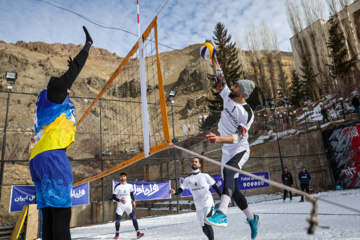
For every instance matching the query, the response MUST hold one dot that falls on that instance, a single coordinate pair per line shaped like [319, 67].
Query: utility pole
[10, 77]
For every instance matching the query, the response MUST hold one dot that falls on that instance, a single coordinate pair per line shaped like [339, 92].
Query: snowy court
[278, 221]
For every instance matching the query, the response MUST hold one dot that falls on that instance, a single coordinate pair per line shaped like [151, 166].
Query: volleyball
[207, 50]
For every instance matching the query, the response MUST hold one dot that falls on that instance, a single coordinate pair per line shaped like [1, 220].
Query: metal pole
[4, 144]
[265, 123]
[343, 110]
[176, 182]
[277, 136]
[102, 169]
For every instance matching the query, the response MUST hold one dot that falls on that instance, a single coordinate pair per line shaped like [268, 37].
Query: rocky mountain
[183, 70]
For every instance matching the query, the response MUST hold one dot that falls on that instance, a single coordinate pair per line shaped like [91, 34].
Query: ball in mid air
[207, 50]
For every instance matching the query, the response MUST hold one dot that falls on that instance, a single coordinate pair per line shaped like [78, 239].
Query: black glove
[88, 38]
[69, 61]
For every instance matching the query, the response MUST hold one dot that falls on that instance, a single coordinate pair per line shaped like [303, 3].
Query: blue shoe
[218, 219]
[254, 225]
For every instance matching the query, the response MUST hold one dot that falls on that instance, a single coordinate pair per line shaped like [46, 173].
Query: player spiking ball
[235, 122]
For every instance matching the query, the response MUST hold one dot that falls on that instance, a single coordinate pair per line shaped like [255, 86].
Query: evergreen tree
[256, 98]
[309, 84]
[227, 56]
[340, 67]
[296, 89]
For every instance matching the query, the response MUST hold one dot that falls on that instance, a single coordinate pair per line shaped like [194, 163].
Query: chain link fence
[97, 149]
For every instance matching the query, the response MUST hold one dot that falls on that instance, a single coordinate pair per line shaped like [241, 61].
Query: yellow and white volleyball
[207, 50]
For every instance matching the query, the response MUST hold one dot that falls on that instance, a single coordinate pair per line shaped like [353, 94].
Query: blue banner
[25, 195]
[80, 195]
[244, 183]
[218, 181]
[21, 196]
[149, 190]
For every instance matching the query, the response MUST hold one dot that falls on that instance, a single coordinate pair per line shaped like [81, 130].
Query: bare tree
[294, 16]
[253, 40]
[242, 58]
[313, 11]
[334, 6]
[281, 74]
[265, 38]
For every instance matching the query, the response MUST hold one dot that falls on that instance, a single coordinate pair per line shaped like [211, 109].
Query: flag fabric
[184, 128]
[189, 129]
[193, 128]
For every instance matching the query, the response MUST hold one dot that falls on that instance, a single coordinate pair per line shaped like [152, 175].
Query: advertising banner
[144, 191]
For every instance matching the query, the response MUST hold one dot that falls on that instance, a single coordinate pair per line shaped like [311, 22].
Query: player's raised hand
[171, 191]
[88, 38]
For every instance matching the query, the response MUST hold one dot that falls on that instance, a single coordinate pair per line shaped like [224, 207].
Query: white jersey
[123, 191]
[232, 116]
[199, 185]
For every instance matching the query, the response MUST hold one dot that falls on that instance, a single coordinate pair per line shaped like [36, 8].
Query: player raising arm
[235, 122]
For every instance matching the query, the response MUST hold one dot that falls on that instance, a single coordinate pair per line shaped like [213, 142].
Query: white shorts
[202, 214]
[226, 156]
[124, 208]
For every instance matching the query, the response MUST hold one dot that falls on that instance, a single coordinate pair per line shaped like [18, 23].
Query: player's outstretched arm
[177, 192]
[58, 87]
[234, 138]
[219, 75]
[217, 189]
[76, 65]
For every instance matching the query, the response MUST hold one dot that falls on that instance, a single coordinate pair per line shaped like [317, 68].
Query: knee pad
[117, 221]
[132, 216]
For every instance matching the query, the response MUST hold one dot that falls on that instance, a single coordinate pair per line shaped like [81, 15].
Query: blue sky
[181, 22]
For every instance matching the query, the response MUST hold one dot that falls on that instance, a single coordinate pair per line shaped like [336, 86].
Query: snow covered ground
[278, 221]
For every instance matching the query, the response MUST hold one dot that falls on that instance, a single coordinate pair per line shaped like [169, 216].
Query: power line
[88, 19]
[110, 27]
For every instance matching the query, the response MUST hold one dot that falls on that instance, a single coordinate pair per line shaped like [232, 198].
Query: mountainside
[183, 70]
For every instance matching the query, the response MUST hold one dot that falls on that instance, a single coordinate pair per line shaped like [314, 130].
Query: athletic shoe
[218, 219]
[254, 225]
[116, 236]
[302, 200]
[139, 235]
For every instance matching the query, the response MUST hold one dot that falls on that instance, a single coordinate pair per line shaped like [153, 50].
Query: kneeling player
[124, 196]
[199, 183]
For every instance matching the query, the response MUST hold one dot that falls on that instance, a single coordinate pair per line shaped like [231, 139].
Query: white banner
[145, 114]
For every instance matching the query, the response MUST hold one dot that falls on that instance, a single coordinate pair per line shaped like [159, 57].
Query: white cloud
[181, 22]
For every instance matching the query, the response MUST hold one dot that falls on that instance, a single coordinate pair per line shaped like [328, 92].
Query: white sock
[224, 203]
[248, 213]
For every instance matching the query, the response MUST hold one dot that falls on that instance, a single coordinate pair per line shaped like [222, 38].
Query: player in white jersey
[123, 194]
[199, 183]
[236, 119]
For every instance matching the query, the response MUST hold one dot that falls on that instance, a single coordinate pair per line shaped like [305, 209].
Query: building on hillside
[313, 41]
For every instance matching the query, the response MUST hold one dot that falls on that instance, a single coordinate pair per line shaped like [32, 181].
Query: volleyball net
[132, 106]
